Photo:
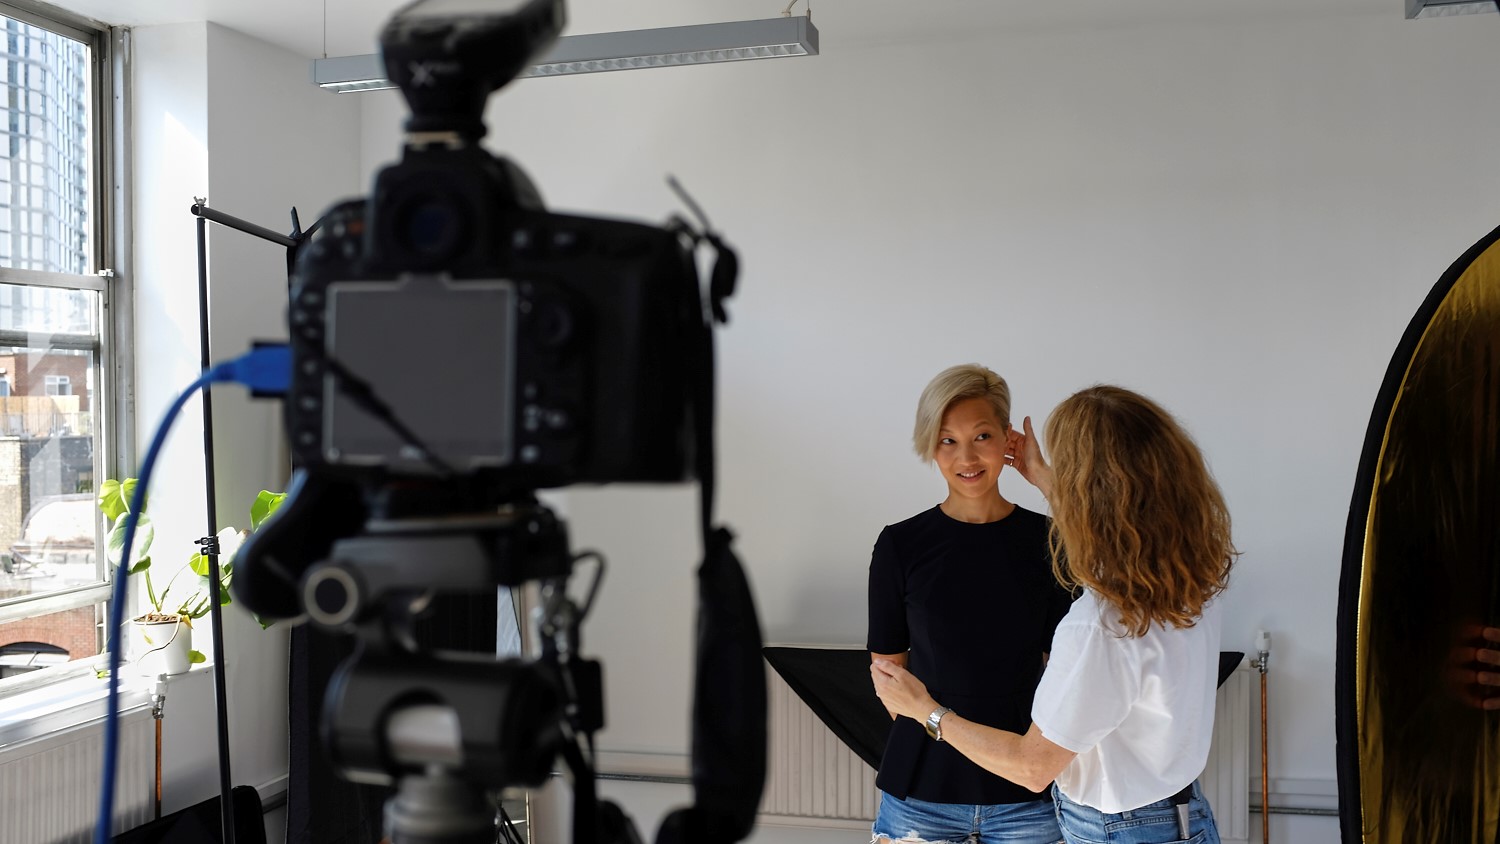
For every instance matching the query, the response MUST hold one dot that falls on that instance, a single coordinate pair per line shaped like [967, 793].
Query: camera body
[456, 347]
[521, 347]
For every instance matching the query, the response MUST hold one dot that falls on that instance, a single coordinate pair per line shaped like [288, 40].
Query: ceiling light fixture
[1444, 8]
[782, 37]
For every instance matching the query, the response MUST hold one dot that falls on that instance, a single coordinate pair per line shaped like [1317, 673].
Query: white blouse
[1138, 711]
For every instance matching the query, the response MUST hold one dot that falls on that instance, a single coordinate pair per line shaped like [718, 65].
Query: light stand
[210, 543]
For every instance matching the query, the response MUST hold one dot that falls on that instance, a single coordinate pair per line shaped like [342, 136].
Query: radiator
[813, 780]
[49, 786]
[1226, 778]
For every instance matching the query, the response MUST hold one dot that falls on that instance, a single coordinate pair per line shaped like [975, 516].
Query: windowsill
[72, 701]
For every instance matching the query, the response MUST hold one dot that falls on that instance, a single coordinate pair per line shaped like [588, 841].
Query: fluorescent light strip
[664, 60]
[347, 74]
[668, 47]
[1418, 9]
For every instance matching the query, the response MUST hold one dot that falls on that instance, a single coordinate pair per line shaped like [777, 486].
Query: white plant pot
[160, 647]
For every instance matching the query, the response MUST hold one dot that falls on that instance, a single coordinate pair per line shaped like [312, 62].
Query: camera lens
[331, 595]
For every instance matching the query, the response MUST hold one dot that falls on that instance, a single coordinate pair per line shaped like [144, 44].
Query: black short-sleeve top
[975, 606]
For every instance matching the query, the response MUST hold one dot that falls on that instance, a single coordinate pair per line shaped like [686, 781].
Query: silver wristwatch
[934, 723]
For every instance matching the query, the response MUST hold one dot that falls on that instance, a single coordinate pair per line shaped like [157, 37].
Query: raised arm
[1024, 452]
[1028, 760]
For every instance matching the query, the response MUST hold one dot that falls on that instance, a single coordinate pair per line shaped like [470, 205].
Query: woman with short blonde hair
[963, 594]
[1123, 716]
[954, 384]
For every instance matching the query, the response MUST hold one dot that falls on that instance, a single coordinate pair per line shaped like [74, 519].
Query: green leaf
[127, 493]
[110, 501]
[262, 621]
[264, 505]
[195, 657]
[193, 608]
[144, 533]
[141, 565]
[115, 497]
[151, 592]
[199, 565]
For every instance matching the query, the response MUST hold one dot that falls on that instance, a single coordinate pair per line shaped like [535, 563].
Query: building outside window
[56, 345]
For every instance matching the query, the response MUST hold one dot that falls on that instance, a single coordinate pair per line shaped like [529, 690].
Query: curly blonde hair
[1136, 515]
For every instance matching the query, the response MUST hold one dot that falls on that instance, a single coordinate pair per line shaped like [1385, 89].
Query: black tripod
[448, 728]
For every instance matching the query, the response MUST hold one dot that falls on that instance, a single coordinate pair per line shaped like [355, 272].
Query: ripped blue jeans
[913, 821]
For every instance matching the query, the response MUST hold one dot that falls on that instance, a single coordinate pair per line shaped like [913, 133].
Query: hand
[901, 691]
[1474, 667]
[1023, 450]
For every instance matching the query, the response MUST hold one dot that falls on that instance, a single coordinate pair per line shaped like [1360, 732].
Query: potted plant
[162, 637]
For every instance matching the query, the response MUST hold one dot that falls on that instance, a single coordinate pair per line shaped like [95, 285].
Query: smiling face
[971, 449]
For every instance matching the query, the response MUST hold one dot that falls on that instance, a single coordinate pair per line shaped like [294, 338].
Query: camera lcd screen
[440, 353]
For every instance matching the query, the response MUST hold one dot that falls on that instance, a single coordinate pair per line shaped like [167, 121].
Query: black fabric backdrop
[835, 685]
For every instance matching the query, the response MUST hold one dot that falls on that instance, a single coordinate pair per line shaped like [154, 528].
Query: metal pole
[1265, 779]
[157, 814]
[202, 211]
[1263, 664]
[215, 612]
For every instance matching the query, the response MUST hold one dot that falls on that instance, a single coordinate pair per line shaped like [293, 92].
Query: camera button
[567, 242]
[523, 241]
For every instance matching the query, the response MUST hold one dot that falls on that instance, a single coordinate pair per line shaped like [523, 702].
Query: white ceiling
[352, 25]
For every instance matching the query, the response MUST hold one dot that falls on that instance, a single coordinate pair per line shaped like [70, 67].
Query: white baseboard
[646, 766]
[790, 822]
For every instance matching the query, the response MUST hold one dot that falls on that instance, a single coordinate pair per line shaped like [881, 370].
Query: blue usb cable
[265, 371]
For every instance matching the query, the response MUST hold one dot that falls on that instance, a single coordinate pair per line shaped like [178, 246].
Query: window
[57, 355]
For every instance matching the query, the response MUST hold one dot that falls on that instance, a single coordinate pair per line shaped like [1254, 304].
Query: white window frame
[111, 257]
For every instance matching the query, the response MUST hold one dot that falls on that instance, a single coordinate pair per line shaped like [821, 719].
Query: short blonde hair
[955, 384]
[1136, 514]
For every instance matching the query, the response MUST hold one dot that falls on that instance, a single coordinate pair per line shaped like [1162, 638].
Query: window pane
[44, 150]
[35, 643]
[49, 525]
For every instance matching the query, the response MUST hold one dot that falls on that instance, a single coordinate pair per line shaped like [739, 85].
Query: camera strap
[729, 691]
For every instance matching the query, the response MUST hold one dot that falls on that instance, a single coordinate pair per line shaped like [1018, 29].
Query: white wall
[221, 115]
[1237, 218]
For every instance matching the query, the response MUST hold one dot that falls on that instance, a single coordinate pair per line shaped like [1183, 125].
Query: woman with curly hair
[1123, 716]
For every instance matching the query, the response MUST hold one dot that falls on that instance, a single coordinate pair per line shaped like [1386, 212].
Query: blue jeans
[1154, 823]
[913, 821]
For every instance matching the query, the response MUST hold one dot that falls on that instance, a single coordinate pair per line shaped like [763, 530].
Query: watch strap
[934, 723]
